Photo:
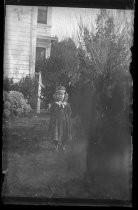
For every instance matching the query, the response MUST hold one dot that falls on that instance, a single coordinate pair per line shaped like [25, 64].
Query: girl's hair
[66, 97]
[62, 88]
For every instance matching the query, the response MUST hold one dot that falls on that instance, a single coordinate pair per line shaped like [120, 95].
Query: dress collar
[60, 103]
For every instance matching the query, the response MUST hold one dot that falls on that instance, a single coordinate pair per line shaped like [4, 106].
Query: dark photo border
[108, 4]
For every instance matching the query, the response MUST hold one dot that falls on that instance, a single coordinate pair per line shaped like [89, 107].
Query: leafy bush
[7, 84]
[59, 68]
[27, 86]
[15, 104]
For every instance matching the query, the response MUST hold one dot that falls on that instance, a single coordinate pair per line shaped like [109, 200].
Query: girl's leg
[63, 145]
[60, 146]
[56, 144]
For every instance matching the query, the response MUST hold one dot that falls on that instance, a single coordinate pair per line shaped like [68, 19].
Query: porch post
[39, 93]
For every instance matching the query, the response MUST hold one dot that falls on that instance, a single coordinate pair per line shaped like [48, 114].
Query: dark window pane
[42, 16]
[40, 53]
[40, 58]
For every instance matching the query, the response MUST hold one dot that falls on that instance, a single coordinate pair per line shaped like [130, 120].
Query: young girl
[60, 113]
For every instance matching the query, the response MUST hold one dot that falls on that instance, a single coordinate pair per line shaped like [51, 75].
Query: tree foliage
[105, 51]
[104, 79]
[104, 88]
[59, 68]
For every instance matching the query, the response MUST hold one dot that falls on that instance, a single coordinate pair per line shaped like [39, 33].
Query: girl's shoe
[64, 148]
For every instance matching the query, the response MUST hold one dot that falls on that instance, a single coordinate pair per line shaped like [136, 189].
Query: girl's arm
[53, 109]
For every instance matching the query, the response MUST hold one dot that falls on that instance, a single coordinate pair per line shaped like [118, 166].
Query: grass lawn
[36, 169]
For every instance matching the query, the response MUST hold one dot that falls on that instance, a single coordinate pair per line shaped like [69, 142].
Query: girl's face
[60, 95]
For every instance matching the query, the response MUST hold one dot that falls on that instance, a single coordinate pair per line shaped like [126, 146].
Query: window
[40, 58]
[42, 16]
[40, 53]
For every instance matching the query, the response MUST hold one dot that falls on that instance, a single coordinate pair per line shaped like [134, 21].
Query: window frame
[43, 49]
[39, 19]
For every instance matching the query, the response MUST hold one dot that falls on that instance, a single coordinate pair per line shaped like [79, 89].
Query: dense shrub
[15, 104]
[7, 84]
[27, 86]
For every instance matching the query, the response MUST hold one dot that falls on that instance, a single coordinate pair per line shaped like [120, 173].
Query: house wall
[17, 41]
[22, 35]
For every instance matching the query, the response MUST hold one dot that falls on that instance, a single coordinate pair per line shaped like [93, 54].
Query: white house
[27, 36]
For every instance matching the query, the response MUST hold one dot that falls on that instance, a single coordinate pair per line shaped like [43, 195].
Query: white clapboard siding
[9, 24]
[12, 8]
[17, 35]
[13, 66]
[16, 48]
[21, 12]
[15, 45]
[22, 33]
[16, 61]
[19, 71]
[18, 38]
[15, 70]
[17, 21]
[16, 53]
[11, 30]
[20, 24]
[19, 61]
[17, 41]
[19, 18]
